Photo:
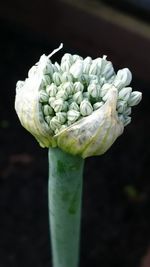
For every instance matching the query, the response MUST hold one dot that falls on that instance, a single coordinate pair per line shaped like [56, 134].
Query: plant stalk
[65, 194]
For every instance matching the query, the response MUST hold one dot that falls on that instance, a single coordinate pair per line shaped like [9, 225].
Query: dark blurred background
[116, 199]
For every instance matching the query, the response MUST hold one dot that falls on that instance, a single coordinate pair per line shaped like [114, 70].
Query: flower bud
[76, 57]
[121, 106]
[61, 116]
[78, 87]
[43, 97]
[94, 90]
[65, 66]
[73, 115]
[77, 69]
[51, 89]
[125, 93]
[127, 111]
[94, 79]
[135, 98]
[66, 77]
[57, 78]
[86, 108]
[51, 101]
[108, 70]
[47, 110]
[54, 123]
[127, 120]
[123, 78]
[105, 88]
[74, 106]
[77, 97]
[67, 57]
[45, 65]
[98, 105]
[46, 80]
[62, 94]
[56, 67]
[68, 87]
[86, 64]
[58, 105]
[93, 68]
[48, 119]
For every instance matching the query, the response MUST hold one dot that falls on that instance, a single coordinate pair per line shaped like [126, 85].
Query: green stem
[65, 193]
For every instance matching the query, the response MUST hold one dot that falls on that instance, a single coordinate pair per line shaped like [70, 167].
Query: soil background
[116, 196]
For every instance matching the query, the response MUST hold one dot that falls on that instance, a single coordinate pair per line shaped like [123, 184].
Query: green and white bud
[51, 101]
[52, 89]
[108, 70]
[93, 69]
[98, 105]
[47, 110]
[66, 77]
[94, 79]
[48, 119]
[74, 106]
[125, 93]
[105, 89]
[127, 120]
[58, 105]
[78, 97]
[54, 123]
[78, 87]
[121, 106]
[135, 98]
[65, 66]
[73, 116]
[127, 111]
[61, 116]
[43, 97]
[67, 57]
[56, 67]
[77, 69]
[76, 57]
[65, 106]
[46, 80]
[68, 87]
[123, 78]
[57, 78]
[94, 90]
[87, 64]
[86, 108]
[62, 94]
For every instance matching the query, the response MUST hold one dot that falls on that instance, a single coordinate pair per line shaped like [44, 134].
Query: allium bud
[87, 64]
[67, 57]
[127, 111]
[98, 105]
[66, 77]
[68, 87]
[65, 66]
[121, 106]
[135, 98]
[47, 110]
[125, 93]
[78, 87]
[86, 108]
[78, 97]
[43, 97]
[58, 105]
[51, 89]
[57, 78]
[94, 90]
[54, 123]
[73, 115]
[123, 78]
[62, 94]
[61, 116]
[77, 69]
[74, 106]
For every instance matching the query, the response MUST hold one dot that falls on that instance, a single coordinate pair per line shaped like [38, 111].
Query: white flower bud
[135, 98]
[108, 70]
[56, 67]
[127, 120]
[123, 78]
[76, 57]
[78, 97]
[54, 123]
[61, 116]
[73, 115]
[98, 105]
[57, 78]
[46, 80]
[127, 111]
[62, 94]
[43, 97]
[66, 77]
[65, 66]
[93, 68]
[51, 89]
[94, 90]
[67, 57]
[86, 108]
[51, 101]
[47, 110]
[125, 93]
[121, 106]
[93, 79]
[87, 64]
[78, 87]
[45, 65]
[48, 119]
[77, 69]
[58, 105]
[74, 106]
[68, 87]
[105, 88]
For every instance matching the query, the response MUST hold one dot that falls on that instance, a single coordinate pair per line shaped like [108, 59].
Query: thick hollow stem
[65, 193]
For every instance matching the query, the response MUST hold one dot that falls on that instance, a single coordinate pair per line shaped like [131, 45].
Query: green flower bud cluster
[77, 87]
